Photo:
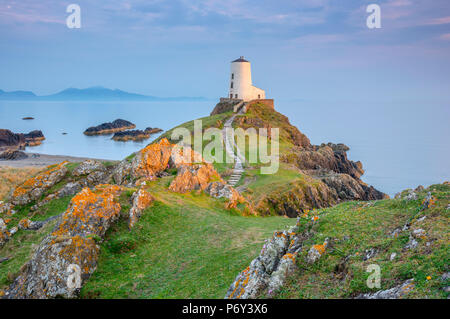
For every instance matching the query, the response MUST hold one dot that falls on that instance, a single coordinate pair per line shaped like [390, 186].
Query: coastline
[43, 160]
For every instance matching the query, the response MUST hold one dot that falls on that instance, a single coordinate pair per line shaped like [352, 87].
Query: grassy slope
[369, 227]
[184, 246]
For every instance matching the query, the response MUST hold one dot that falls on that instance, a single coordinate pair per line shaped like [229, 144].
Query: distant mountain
[17, 95]
[89, 94]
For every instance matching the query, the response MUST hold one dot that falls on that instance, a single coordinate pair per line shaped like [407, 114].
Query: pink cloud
[438, 21]
[445, 36]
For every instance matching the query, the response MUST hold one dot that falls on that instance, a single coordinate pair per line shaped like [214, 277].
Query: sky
[299, 49]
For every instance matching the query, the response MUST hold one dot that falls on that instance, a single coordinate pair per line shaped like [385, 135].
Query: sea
[401, 144]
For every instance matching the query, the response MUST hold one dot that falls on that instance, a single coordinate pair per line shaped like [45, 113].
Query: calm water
[400, 145]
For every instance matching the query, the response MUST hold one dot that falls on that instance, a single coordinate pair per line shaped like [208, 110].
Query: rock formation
[110, 127]
[35, 187]
[141, 199]
[268, 272]
[135, 135]
[12, 155]
[67, 257]
[10, 140]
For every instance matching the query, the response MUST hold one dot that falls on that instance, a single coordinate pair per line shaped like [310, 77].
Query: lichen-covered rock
[269, 270]
[396, 292]
[69, 254]
[194, 177]
[141, 200]
[316, 251]
[151, 160]
[4, 233]
[33, 188]
[6, 209]
[87, 167]
[122, 172]
[222, 190]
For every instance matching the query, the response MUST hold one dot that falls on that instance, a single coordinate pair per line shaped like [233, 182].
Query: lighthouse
[241, 86]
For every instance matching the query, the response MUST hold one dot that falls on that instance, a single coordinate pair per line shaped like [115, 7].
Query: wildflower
[428, 277]
[315, 218]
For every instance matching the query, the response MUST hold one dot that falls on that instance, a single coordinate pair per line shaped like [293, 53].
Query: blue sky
[306, 49]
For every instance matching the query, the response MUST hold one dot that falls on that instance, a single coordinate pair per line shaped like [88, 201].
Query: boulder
[67, 257]
[151, 160]
[12, 155]
[222, 190]
[396, 292]
[316, 251]
[141, 199]
[4, 233]
[33, 188]
[87, 167]
[194, 177]
[269, 270]
[132, 135]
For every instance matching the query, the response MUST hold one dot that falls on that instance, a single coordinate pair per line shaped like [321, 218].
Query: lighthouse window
[235, 96]
[232, 76]
[231, 84]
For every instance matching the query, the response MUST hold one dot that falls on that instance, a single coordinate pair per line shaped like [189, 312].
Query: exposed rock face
[87, 167]
[135, 135]
[9, 139]
[298, 196]
[4, 233]
[122, 172]
[193, 177]
[151, 160]
[33, 188]
[393, 293]
[69, 254]
[141, 200]
[12, 155]
[222, 190]
[152, 130]
[108, 128]
[329, 157]
[6, 208]
[34, 138]
[224, 106]
[269, 270]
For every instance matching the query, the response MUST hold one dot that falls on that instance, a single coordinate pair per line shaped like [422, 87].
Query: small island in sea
[135, 135]
[118, 125]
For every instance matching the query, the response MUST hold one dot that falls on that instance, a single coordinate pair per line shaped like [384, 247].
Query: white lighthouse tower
[241, 82]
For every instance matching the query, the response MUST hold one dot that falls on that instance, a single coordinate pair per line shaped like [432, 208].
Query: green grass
[184, 246]
[369, 227]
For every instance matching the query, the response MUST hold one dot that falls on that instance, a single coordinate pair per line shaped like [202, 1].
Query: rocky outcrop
[35, 187]
[297, 196]
[135, 135]
[141, 199]
[194, 177]
[316, 251]
[10, 140]
[268, 272]
[396, 292]
[110, 127]
[151, 161]
[34, 138]
[4, 233]
[152, 130]
[222, 190]
[12, 155]
[67, 257]
[87, 167]
[224, 106]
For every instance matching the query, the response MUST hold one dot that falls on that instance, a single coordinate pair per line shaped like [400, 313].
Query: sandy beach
[42, 160]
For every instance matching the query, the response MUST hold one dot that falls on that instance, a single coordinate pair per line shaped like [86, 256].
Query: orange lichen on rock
[33, 188]
[152, 160]
[141, 200]
[194, 177]
[71, 246]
